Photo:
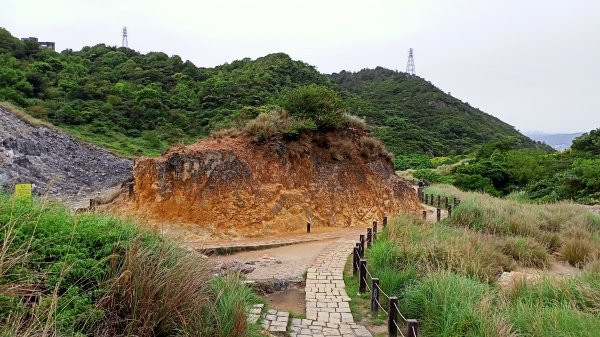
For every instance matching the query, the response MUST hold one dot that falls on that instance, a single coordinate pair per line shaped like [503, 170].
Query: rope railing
[399, 330]
[400, 313]
[393, 313]
[382, 308]
[382, 292]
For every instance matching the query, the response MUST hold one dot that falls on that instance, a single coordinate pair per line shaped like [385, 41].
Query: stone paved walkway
[327, 304]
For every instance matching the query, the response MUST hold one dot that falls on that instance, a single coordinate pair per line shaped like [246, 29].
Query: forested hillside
[412, 116]
[137, 104]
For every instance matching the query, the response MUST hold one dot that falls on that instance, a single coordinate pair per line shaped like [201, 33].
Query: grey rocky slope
[57, 165]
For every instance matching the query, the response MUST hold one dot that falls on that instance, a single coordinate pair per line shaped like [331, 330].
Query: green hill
[137, 104]
[411, 115]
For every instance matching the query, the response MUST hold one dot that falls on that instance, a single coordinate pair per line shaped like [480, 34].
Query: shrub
[414, 161]
[525, 250]
[355, 122]
[88, 274]
[319, 104]
[446, 304]
[158, 290]
[371, 148]
[475, 182]
[341, 149]
[576, 250]
[229, 301]
[277, 123]
[431, 176]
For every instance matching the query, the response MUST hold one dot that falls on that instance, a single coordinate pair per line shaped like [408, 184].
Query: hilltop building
[50, 45]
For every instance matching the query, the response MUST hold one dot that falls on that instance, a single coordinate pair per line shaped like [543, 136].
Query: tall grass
[445, 273]
[562, 227]
[88, 274]
[447, 304]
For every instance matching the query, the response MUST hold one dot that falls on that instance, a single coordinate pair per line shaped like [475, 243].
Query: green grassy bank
[94, 275]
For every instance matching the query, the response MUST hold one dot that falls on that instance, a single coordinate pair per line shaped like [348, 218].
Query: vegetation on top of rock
[136, 103]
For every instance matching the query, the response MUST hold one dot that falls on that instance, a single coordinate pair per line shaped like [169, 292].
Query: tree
[320, 104]
[588, 142]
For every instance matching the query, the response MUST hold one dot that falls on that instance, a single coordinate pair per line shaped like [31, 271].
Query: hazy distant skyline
[534, 64]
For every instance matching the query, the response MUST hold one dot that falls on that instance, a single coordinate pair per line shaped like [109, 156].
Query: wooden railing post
[355, 260]
[438, 214]
[446, 202]
[392, 317]
[362, 245]
[362, 276]
[413, 327]
[449, 211]
[426, 198]
[369, 237]
[384, 222]
[439, 200]
[374, 231]
[308, 227]
[374, 296]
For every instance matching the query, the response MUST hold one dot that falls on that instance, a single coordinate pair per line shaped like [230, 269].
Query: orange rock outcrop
[233, 183]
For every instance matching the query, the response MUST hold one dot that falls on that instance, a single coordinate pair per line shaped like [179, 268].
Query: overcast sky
[533, 63]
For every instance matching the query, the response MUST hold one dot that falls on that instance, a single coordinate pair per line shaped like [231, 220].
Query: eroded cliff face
[233, 185]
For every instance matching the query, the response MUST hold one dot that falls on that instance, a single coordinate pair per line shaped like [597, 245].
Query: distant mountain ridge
[558, 141]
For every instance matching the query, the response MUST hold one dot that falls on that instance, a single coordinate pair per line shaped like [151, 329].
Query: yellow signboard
[23, 191]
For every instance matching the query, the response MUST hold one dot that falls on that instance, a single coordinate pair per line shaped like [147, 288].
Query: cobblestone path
[327, 304]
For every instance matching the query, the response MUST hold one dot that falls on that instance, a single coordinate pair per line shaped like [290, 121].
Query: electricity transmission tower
[125, 43]
[410, 66]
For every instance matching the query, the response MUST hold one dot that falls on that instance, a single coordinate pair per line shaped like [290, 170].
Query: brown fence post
[413, 327]
[369, 237]
[362, 276]
[439, 200]
[449, 211]
[374, 231]
[92, 204]
[384, 222]
[355, 260]
[308, 227]
[362, 245]
[392, 317]
[446, 202]
[438, 214]
[374, 296]
[426, 198]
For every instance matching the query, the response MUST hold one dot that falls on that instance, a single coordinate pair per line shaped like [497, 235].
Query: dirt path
[272, 241]
[280, 263]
